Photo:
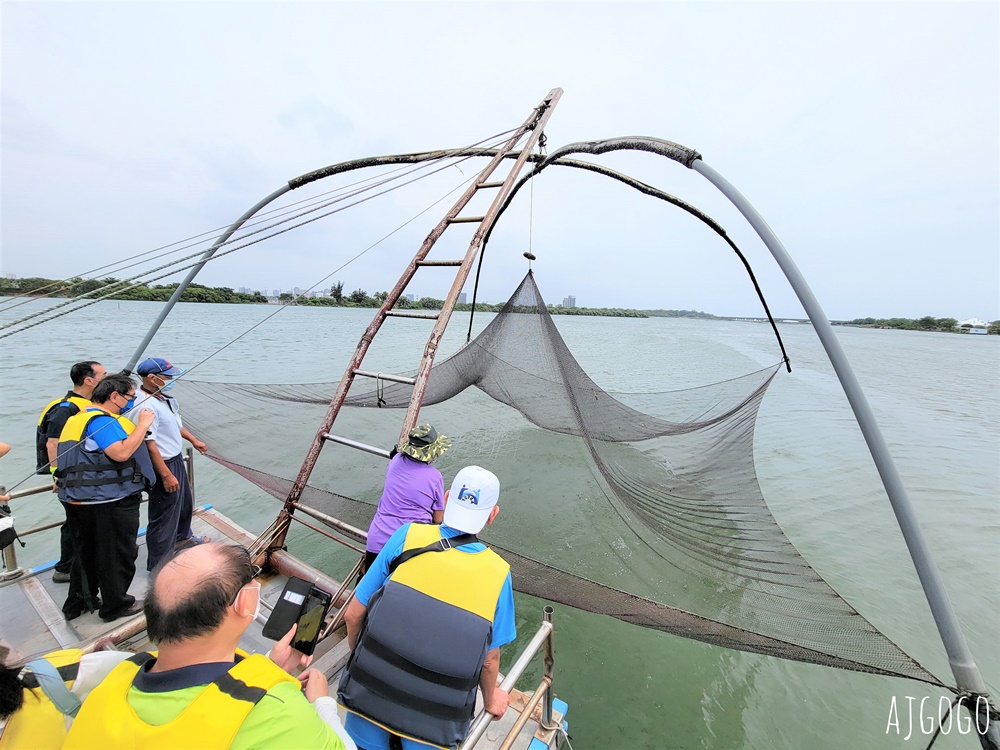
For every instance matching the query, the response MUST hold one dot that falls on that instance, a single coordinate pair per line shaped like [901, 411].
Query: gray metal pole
[194, 272]
[963, 666]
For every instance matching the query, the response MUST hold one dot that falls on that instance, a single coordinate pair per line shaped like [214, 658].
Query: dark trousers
[65, 564]
[106, 550]
[169, 514]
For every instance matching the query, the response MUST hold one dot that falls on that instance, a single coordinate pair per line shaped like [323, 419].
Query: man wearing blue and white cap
[171, 500]
[426, 625]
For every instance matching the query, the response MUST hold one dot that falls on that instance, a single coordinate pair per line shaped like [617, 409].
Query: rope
[114, 289]
[281, 308]
[566, 738]
[259, 219]
[192, 265]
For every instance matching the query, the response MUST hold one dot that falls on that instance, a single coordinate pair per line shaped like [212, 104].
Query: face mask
[167, 386]
[129, 405]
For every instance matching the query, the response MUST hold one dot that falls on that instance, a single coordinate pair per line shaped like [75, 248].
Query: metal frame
[533, 127]
[543, 638]
[963, 665]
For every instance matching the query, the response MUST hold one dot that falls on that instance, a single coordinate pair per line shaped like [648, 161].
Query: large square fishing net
[644, 507]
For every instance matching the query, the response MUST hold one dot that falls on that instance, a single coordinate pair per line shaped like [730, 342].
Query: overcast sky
[867, 134]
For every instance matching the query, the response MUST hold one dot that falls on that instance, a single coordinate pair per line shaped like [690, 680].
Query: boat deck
[33, 624]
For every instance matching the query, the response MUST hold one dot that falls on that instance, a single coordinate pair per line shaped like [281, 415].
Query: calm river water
[937, 397]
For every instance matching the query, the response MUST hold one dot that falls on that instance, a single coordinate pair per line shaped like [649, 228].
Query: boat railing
[543, 639]
[10, 551]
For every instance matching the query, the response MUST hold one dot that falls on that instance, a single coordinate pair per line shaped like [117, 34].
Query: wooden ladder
[532, 128]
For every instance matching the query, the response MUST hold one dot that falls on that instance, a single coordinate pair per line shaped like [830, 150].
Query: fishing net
[641, 506]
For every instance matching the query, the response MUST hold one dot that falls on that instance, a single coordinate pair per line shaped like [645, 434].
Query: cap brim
[465, 520]
[426, 453]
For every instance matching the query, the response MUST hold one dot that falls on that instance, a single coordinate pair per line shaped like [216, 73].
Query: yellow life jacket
[210, 721]
[417, 663]
[38, 724]
[41, 439]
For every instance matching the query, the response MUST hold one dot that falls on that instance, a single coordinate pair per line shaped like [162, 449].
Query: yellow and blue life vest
[210, 721]
[419, 656]
[41, 438]
[89, 476]
[39, 724]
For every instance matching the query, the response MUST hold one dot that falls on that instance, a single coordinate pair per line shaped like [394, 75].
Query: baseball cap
[473, 494]
[157, 366]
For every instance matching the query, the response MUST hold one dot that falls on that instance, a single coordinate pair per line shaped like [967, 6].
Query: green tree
[946, 324]
[359, 297]
[337, 292]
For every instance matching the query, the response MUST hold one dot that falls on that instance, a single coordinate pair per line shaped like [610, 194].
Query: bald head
[190, 593]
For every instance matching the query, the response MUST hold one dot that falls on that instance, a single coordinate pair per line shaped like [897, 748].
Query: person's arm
[495, 700]
[438, 493]
[58, 418]
[123, 449]
[354, 618]
[326, 707]
[52, 448]
[4, 449]
[198, 444]
[170, 482]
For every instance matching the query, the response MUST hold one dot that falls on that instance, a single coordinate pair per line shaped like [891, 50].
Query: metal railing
[543, 638]
[10, 551]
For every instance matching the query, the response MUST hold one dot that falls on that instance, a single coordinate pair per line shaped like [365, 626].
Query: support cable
[117, 291]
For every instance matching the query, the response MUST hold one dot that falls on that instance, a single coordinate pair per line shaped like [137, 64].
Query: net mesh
[641, 506]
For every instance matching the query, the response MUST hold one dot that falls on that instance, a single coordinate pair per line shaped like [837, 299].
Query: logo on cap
[468, 496]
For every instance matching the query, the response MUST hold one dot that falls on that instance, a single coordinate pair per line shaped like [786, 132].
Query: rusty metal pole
[413, 411]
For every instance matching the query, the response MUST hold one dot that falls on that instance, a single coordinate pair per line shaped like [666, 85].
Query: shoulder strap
[439, 546]
[54, 686]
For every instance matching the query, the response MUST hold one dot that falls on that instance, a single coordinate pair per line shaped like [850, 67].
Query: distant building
[569, 301]
[411, 297]
[296, 291]
[277, 292]
[462, 297]
[974, 325]
[12, 276]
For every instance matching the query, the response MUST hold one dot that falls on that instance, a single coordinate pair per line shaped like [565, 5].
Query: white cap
[473, 494]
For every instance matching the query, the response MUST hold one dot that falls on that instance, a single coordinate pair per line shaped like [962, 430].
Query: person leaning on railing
[426, 625]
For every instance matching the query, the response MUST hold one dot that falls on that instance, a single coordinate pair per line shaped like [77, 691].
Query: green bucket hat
[424, 443]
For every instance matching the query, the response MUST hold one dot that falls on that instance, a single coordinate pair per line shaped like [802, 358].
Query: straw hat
[424, 443]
